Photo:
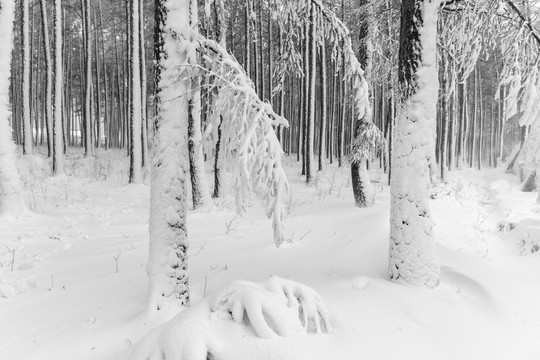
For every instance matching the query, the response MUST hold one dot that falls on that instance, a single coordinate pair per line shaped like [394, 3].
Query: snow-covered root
[275, 309]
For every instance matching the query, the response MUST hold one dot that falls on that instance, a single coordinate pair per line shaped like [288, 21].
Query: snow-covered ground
[73, 284]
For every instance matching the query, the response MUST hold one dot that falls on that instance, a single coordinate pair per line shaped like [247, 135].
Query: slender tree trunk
[58, 136]
[88, 78]
[144, 87]
[199, 186]
[11, 198]
[25, 109]
[324, 112]
[310, 82]
[135, 169]
[221, 32]
[48, 78]
[361, 184]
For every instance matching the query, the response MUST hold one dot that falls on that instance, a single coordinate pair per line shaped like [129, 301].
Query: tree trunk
[310, 82]
[167, 259]
[58, 136]
[135, 168]
[88, 79]
[48, 78]
[11, 198]
[412, 249]
[25, 109]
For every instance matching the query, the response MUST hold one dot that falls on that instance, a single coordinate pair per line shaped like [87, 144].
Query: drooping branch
[249, 141]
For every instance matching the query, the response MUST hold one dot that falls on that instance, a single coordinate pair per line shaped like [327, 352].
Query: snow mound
[244, 320]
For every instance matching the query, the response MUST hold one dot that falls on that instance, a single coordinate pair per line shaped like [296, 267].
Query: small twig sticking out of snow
[303, 236]
[229, 225]
[116, 258]
[205, 286]
[52, 283]
[12, 259]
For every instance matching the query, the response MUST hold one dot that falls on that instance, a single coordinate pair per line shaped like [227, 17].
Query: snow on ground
[72, 279]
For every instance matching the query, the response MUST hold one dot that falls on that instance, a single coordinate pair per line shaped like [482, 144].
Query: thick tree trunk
[167, 259]
[412, 249]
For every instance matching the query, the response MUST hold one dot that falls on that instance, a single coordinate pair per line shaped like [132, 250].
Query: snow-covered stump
[412, 256]
[11, 200]
[242, 321]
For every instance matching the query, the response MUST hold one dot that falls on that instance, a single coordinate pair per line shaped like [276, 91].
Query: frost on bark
[58, 133]
[135, 151]
[167, 262]
[11, 200]
[412, 255]
[25, 108]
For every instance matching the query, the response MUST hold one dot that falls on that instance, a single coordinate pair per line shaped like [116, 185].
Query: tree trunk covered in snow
[311, 56]
[58, 136]
[135, 152]
[25, 109]
[88, 147]
[324, 112]
[167, 261]
[11, 200]
[48, 77]
[221, 37]
[412, 256]
[361, 184]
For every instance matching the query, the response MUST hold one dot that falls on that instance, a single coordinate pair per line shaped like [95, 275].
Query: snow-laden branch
[249, 142]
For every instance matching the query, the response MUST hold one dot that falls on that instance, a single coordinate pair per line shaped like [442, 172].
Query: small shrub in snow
[237, 322]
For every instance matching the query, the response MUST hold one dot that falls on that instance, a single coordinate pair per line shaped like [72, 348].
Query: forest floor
[73, 283]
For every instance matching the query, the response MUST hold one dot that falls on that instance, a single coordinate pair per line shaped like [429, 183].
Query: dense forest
[207, 100]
